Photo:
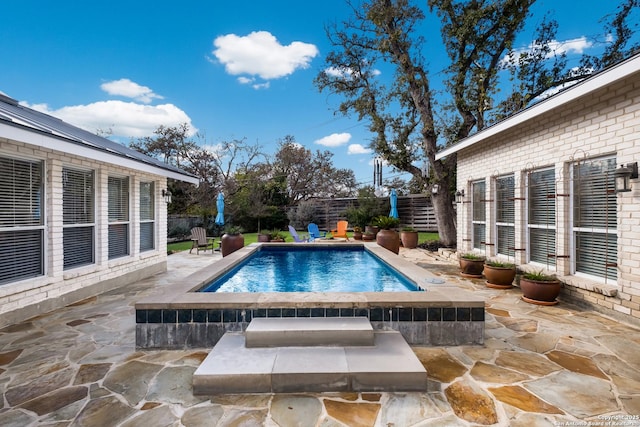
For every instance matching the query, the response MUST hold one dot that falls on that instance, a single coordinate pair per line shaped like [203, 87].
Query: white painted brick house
[539, 189]
[79, 214]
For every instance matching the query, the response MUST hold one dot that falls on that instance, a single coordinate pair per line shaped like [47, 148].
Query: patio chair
[341, 230]
[314, 232]
[200, 240]
[296, 237]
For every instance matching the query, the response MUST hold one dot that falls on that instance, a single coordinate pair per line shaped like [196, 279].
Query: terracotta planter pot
[357, 235]
[471, 267]
[389, 239]
[264, 238]
[368, 237]
[231, 243]
[499, 277]
[371, 229]
[409, 239]
[540, 292]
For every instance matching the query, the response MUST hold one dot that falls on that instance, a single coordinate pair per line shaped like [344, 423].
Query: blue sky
[241, 69]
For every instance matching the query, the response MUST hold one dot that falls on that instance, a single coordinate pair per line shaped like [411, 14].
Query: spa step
[388, 365]
[309, 331]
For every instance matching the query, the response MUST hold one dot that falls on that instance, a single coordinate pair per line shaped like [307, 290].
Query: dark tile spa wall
[202, 328]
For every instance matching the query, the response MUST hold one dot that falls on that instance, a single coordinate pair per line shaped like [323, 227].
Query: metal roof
[597, 81]
[24, 124]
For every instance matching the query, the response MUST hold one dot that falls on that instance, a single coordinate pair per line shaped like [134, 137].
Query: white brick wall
[56, 282]
[606, 122]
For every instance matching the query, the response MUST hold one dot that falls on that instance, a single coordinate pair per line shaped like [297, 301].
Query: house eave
[587, 86]
[10, 131]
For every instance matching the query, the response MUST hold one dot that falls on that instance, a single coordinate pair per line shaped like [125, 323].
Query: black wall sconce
[459, 196]
[623, 176]
[166, 195]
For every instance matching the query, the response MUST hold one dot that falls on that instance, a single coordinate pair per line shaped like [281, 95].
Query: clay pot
[231, 243]
[357, 235]
[499, 277]
[371, 229]
[264, 238]
[409, 239]
[389, 239]
[471, 267]
[368, 237]
[540, 292]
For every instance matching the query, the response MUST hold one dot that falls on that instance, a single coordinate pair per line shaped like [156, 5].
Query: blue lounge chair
[295, 236]
[314, 232]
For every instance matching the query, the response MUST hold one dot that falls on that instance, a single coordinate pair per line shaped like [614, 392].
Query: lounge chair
[200, 240]
[341, 231]
[314, 232]
[296, 237]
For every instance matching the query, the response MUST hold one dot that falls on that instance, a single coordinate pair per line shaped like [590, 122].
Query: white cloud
[334, 140]
[347, 73]
[124, 119]
[358, 149]
[260, 54]
[572, 46]
[129, 89]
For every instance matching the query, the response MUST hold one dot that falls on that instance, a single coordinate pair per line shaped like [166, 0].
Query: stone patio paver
[539, 366]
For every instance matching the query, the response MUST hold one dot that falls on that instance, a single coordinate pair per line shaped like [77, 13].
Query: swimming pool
[180, 317]
[312, 269]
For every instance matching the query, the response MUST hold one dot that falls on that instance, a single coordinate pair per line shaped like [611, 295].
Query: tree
[409, 120]
[309, 174]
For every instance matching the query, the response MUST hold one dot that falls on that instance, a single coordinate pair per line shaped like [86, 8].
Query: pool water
[309, 269]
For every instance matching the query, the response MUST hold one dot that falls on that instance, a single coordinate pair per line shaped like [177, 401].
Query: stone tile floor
[540, 366]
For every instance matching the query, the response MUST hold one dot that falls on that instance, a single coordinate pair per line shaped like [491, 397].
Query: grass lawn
[253, 237]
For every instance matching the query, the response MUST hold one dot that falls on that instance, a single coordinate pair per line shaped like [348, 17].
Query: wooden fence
[414, 211]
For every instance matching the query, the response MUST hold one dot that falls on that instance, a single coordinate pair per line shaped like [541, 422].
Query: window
[147, 216]
[541, 217]
[479, 214]
[118, 189]
[78, 217]
[505, 215]
[595, 251]
[21, 219]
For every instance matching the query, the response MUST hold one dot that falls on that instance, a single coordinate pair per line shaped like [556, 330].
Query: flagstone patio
[539, 366]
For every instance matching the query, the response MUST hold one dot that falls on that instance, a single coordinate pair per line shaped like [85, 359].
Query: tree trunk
[445, 217]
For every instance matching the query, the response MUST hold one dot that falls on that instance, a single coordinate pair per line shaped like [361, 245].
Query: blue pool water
[309, 269]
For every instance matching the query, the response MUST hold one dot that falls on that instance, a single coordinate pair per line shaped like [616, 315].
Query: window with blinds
[78, 217]
[505, 215]
[147, 216]
[479, 214]
[21, 219]
[595, 242]
[118, 190]
[541, 217]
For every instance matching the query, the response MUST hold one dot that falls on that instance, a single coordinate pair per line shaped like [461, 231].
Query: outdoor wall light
[459, 196]
[166, 195]
[623, 176]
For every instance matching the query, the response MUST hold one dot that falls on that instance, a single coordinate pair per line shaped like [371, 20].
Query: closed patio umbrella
[220, 206]
[393, 199]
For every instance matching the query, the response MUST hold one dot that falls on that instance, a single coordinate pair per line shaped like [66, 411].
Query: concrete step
[388, 365]
[310, 331]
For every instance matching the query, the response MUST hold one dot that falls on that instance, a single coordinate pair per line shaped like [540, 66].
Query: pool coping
[177, 309]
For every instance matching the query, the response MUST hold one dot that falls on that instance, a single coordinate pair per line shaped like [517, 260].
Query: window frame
[77, 222]
[479, 215]
[119, 216]
[550, 211]
[29, 227]
[609, 230]
[504, 214]
[147, 219]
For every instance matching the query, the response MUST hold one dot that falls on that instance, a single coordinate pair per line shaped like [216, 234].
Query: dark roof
[18, 115]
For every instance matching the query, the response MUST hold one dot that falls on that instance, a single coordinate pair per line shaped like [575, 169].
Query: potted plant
[471, 264]
[539, 288]
[499, 274]
[231, 240]
[357, 233]
[387, 237]
[276, 236]
[368, 236]
[409, 237]
[264, 236]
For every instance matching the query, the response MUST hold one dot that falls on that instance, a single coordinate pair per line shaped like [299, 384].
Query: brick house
[79, 214]
[539, 189]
